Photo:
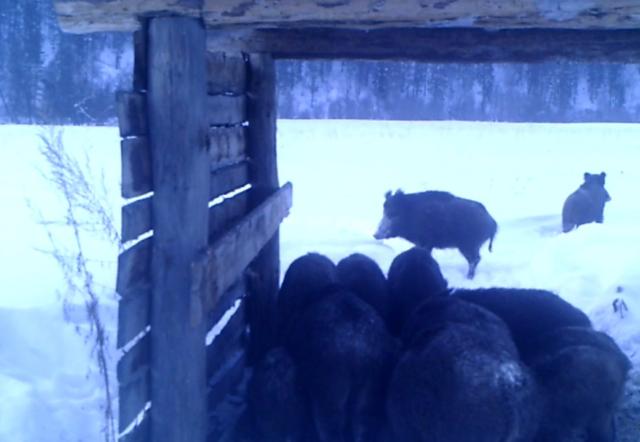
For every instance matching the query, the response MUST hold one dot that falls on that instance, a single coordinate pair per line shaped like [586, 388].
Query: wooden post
[176, 105]
[264, 271]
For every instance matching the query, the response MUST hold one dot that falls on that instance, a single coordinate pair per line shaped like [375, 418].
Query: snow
[340, 171]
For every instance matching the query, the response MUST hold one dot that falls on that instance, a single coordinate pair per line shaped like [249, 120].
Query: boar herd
[361, 356]
[366, 357]
[435, 219]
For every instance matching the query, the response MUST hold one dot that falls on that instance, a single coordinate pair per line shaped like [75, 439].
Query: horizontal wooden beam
[223, 215]
[136, 167]
[227, 145]
[134, 267]
[226, 110]
[136, 219]
[226, 259]
[121, 15]
[436, 45]
[226, 73]
[134, 313]
[228, 178]
[231, 339]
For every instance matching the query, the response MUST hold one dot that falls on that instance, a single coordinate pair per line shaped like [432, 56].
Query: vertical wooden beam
[264, 271]
[176, 93]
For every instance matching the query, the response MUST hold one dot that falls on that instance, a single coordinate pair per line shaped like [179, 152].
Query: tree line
[47, 76]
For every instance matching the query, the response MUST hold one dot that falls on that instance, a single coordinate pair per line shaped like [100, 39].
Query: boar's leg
[472, 255]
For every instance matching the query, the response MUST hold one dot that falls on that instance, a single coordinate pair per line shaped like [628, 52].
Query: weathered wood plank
[134, 267]
[136, 219]
[141, 433]
[223, 215]
[231, 339]
[225, 110]
[261, 148]
[228, 178]
[225, 302]
[227, 145]
[437, 45]
[136, 167]
[226, 73]
[119, 15]
[227, 258]
[134, 310]
[132, 398]
[176, 100]
[224, 419]
[140, 58]
[132, 114]
[224, 382]
[135, 362]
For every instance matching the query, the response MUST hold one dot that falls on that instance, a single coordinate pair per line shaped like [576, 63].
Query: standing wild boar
[438, 219]
[585, 205]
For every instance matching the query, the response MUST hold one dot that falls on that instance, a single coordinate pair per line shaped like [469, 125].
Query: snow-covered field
[340, 170]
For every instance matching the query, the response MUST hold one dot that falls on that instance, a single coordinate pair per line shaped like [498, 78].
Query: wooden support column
[264, 271]
[176, 104]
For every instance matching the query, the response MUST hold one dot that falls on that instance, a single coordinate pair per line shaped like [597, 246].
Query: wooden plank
[224, 418]
[136, 167]
[437, 45]
[176, 101]
[135, 362]
[136, 219]
[231, 340]
[225, 110]
[261, 148]
[226, 301]
[140, 58]
[119, 15]
[132, 398]
[141, 433]
[223, 215]
[134, 310]
[227, 145]
[224, 382]
[134, 267]
[226, 259]
[228, 178]
[132, 114]
[226, 73]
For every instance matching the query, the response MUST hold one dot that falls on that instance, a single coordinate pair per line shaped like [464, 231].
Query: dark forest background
[50, 77]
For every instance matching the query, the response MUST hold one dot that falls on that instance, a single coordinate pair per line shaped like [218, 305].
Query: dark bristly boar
[341, 348]
[364, 277]
[460, 377]
[581, 373]
[585, 205]
[436, 219]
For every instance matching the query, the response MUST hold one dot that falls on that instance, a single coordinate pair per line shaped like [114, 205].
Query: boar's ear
[399, 192]
[387, 195]
[586, 176]
[601, 177]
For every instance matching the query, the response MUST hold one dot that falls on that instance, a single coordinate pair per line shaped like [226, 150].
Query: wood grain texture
[223, 215]
[226, 110]
[226, 73]
[120, 15]
[225, 260]
[227, 379]
[225, 179]
[136, 219]
[134, 314]
[460, 45]
[231, 340]
[135, 362]
[134, 267]
[225, 302]
[176, 100]
[227, 145]
[132, 398]
[264, 270]
[136, 167]
[132, 114]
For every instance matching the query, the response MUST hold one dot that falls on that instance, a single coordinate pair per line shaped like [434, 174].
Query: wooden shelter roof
[81, 16]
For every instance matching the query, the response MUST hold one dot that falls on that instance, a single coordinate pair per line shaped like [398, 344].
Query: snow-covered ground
[340, 171]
